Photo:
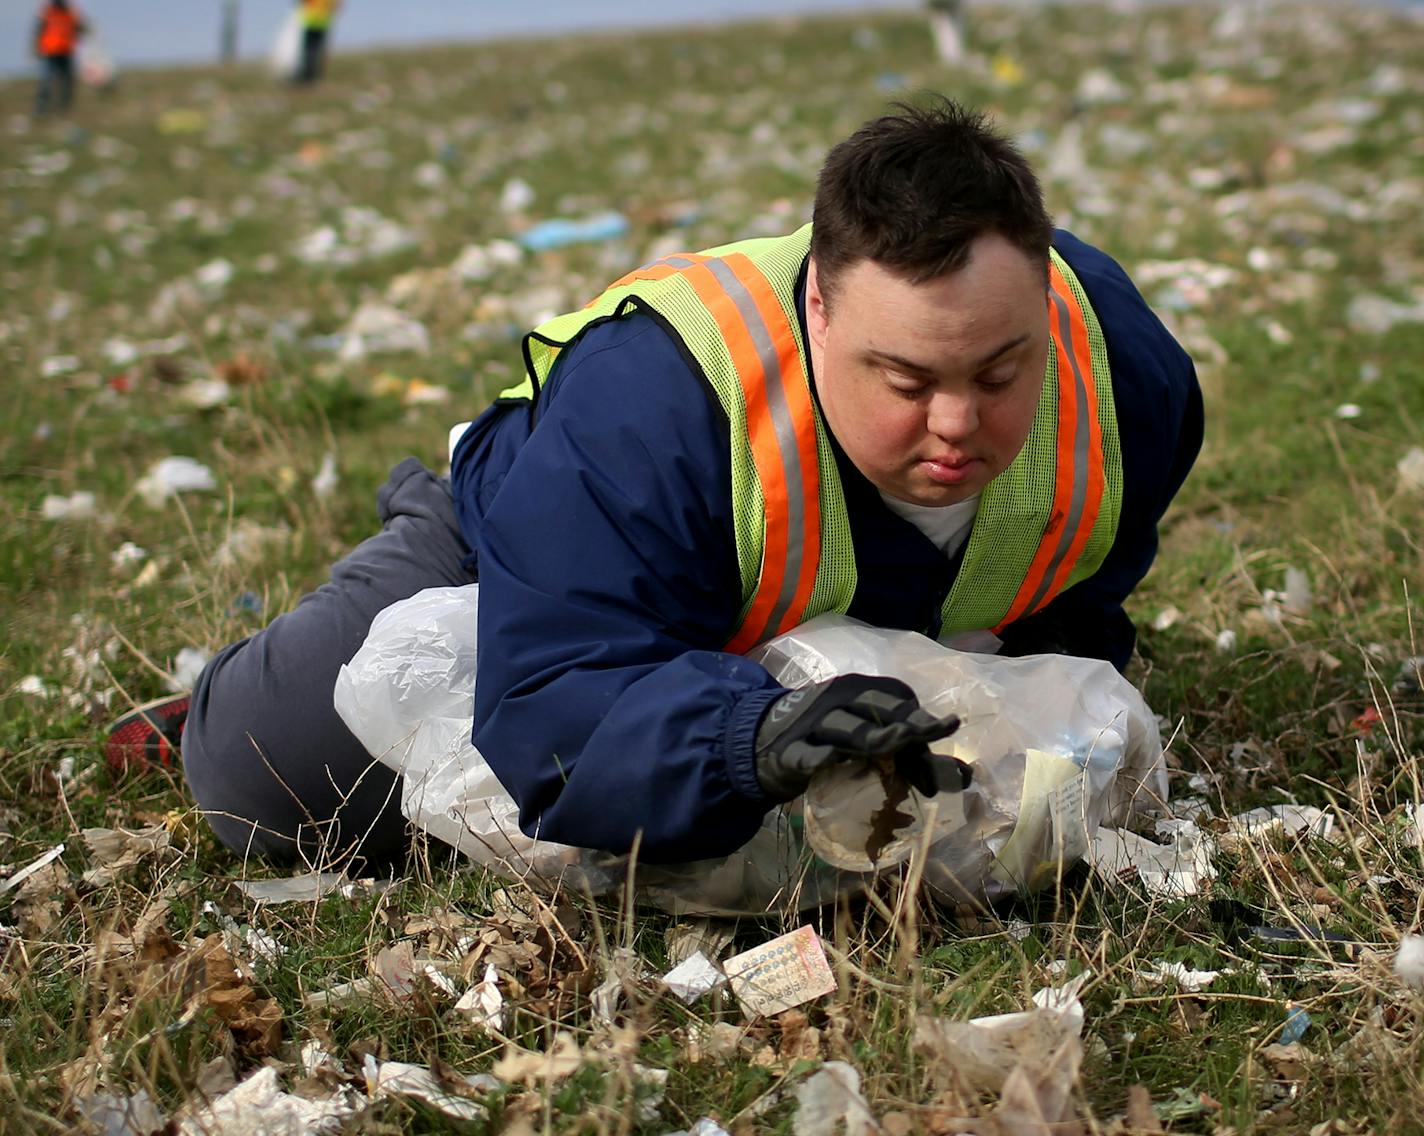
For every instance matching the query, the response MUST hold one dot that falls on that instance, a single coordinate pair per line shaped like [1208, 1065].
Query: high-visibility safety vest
[318, 13]
[1043, 524]
[59, 31]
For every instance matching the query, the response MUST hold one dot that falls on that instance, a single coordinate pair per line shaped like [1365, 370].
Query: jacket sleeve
[1160, 425]
[608, 583]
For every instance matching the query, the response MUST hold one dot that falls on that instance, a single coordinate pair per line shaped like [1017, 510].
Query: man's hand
[852, 717]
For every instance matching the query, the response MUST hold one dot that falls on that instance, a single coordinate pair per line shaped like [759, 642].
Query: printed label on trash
[780, 974]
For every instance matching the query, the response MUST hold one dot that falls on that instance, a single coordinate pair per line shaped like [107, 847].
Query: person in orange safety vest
[316, 17]
[57, 34]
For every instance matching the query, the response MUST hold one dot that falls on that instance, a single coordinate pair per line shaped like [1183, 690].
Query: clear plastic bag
[1058, 744]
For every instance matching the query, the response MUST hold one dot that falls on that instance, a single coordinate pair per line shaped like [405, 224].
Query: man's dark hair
[913, 190]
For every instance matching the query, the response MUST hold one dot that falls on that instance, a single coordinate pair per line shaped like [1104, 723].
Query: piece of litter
[1348, 410]
[780, 974]
[1290, 819]
[32, 685]
[983, 1051]
[1297, 1022]
[1226, 641]
[1409, 961]
[483, 1004]
[525, 1067]
[341, 993]
[309, 887]
[325, 482]
[127, 553]
[1165, 618]
[1411, 469]
[706, 1126]
[258, 1105]
[31, 868]
[173, 475]
[57, 365]
[1180, 868]
[1297, 597]
[314, 1057]
[77, 506]
[122, 1116]
[693, 978]
[1187, 979]
[396, 1078]
[188, 664]
[559, 232]
[829, 1102]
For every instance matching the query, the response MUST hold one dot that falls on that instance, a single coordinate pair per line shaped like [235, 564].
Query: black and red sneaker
[148, 735]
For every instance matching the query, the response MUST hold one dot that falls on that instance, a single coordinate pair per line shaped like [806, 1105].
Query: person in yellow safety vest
[316, 17]
[928, 410]
[57, 34]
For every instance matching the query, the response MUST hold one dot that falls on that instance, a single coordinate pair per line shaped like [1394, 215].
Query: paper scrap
[30, 869]
[1290, 819]
[1180, 868]
[482, 1003]
[829, 1102]
[785, 972]
[1187, 979]
[309, 887]
[396, 1078]
[691, 979]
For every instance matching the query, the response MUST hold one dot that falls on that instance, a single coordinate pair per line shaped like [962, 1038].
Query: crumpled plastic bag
[1059, 745]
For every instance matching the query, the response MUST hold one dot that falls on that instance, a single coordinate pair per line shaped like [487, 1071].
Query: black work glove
[852, 717]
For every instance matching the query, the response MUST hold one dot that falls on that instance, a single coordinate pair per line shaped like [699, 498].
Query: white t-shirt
[947, 526]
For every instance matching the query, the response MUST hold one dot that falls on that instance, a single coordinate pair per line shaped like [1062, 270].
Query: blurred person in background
[57, 34]
[316, 17]
[947, 27]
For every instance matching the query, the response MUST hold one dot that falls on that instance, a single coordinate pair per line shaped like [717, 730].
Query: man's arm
[1160, 424]
[608, 584]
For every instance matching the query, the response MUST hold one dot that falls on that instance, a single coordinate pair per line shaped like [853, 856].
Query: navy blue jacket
[601, 525]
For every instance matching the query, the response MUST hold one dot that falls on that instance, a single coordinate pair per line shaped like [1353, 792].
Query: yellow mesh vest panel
[1015, 506]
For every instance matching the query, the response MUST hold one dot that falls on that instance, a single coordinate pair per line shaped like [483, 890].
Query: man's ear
[818, 315]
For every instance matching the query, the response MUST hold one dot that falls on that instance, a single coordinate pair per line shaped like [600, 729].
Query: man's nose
[953, 415]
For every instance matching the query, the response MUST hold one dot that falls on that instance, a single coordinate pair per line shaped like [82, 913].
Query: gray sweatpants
[271, 764]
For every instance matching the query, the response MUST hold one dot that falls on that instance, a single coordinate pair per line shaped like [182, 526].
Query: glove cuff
[739, 741]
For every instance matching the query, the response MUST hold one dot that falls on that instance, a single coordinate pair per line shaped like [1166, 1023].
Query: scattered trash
[1226, 641]
[57, 365]
[122, 1116]
[78, 506]
[1409, 961]
[1188, 980]
[248, 542]
[32, 868]
[379, 329]
[127, 553]
[396, 1078]
[983, 1052]
[326, 480]
[1180, 868]
[1348, 410]
[1165, 618]
[560, 232]
[692, 978]
[785, 972]
[516, 196]
[188, 664]
[259, 1105]
[1297, 1022]
[173, 475]
[34, 686]
[309, 887]
[829, 1102]
[115, 850]
[1411, 469]
[1290, 819]
[483, 1004]
[525, 1067]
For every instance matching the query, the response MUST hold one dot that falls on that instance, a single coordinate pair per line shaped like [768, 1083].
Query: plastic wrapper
[1058, 746]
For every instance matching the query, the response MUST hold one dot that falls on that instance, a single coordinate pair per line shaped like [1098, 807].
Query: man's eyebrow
[875, 354]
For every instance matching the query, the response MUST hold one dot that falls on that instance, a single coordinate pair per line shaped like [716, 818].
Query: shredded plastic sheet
[1059, 746]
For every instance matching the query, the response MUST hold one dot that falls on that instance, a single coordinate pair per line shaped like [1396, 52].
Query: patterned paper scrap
[780, 974]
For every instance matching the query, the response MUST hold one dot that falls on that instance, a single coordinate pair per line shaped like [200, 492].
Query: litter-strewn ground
[227, 308]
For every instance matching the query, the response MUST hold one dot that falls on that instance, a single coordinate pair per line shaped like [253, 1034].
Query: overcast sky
[160, 31]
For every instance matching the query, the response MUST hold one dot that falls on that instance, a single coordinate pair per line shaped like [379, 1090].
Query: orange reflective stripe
[781, 431]
[801, 413]
[1093, 470]
[761, 431]
[653, 270]
[1079, 475]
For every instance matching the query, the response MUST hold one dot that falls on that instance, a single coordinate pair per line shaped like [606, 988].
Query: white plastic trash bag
[286, 54]
[1058, 745]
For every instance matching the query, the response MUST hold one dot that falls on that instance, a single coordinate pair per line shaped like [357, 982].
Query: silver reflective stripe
[1081, 436]
[785, 437]
[670, 261]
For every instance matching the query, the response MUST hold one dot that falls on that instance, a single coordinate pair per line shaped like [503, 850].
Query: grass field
[1263, 182]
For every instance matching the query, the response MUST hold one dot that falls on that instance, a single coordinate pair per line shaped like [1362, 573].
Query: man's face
[931, 388]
